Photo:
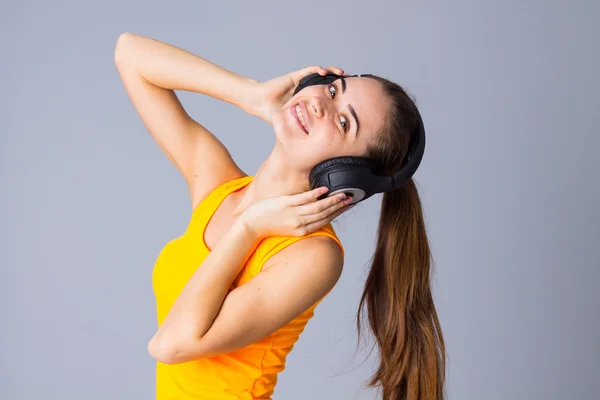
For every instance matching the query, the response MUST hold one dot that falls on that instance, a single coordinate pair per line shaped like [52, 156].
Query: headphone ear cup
[357, 161]
[319, 174]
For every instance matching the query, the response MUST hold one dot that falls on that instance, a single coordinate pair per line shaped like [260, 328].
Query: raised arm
[151, 71]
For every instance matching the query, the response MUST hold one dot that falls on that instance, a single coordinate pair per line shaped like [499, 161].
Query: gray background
[510, 184]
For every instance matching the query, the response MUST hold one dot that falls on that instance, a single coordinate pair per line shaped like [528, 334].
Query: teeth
[299, 113]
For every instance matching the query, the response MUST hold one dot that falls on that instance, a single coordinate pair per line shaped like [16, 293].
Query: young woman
[236, 290]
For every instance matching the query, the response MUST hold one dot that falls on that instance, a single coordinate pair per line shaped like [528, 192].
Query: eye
[332, 90]
[344, 123]
[343, 120]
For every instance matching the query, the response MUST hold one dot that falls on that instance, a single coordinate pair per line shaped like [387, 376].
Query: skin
[286, 169]
[207, 319]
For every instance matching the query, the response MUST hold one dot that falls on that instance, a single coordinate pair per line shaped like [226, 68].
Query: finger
[335, 70]
[315, 68]
[320, 205]
[313, 226]
[325, 212]
[318, 69]
[338, 212]
[305, 197]
[297, 76]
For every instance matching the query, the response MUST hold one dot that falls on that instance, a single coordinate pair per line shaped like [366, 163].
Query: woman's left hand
[293, 215]
[270, 96]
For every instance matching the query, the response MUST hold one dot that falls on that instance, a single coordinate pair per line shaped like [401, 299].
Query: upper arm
[200, 157]
[305, 272]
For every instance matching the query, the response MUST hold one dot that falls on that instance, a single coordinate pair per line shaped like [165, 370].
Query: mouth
[300, 117]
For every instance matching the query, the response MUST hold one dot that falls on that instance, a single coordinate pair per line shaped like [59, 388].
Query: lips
[295, 116]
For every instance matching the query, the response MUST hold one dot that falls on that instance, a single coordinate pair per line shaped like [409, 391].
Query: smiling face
[325, 121]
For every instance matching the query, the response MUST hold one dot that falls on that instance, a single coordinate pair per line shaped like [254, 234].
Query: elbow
[170, 352]
[120, 51]
[161, 351]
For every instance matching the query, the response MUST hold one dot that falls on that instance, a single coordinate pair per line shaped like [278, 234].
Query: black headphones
[358, 176]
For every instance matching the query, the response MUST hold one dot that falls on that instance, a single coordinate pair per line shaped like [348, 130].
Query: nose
[318, 106]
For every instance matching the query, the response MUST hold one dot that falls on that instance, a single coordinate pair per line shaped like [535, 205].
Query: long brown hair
[397, 292]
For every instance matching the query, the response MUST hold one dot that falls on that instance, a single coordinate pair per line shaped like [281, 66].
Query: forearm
[199, 302]
[171, 67]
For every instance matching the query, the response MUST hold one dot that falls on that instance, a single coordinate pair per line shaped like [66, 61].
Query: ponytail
[399, 302]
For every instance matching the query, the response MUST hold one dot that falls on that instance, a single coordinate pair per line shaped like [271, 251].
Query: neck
[274, 178]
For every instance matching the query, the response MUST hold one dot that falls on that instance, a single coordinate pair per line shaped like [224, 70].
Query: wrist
[244, 229]
[249, 98]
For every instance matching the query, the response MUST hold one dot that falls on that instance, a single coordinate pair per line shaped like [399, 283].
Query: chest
[181, 258]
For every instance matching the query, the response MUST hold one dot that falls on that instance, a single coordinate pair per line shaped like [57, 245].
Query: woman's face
[325, 121]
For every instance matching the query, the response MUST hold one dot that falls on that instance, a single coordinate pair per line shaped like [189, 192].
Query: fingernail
[324, 189]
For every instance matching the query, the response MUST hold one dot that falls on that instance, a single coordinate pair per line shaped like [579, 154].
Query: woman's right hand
[271, 95]
[292, 215]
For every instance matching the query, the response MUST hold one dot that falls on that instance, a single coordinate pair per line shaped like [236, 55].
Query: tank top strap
[275, 244]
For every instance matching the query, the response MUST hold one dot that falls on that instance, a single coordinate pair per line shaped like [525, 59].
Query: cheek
[322, 145]
[287, 104]
[327, 133]
[279, 121]
[276, 117]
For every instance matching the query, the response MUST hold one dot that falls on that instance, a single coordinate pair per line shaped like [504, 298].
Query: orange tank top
[247, 373]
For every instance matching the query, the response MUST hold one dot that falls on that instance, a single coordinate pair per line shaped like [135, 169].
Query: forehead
[367, 97]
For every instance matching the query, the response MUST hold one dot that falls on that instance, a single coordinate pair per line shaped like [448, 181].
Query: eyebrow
[350, 106]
